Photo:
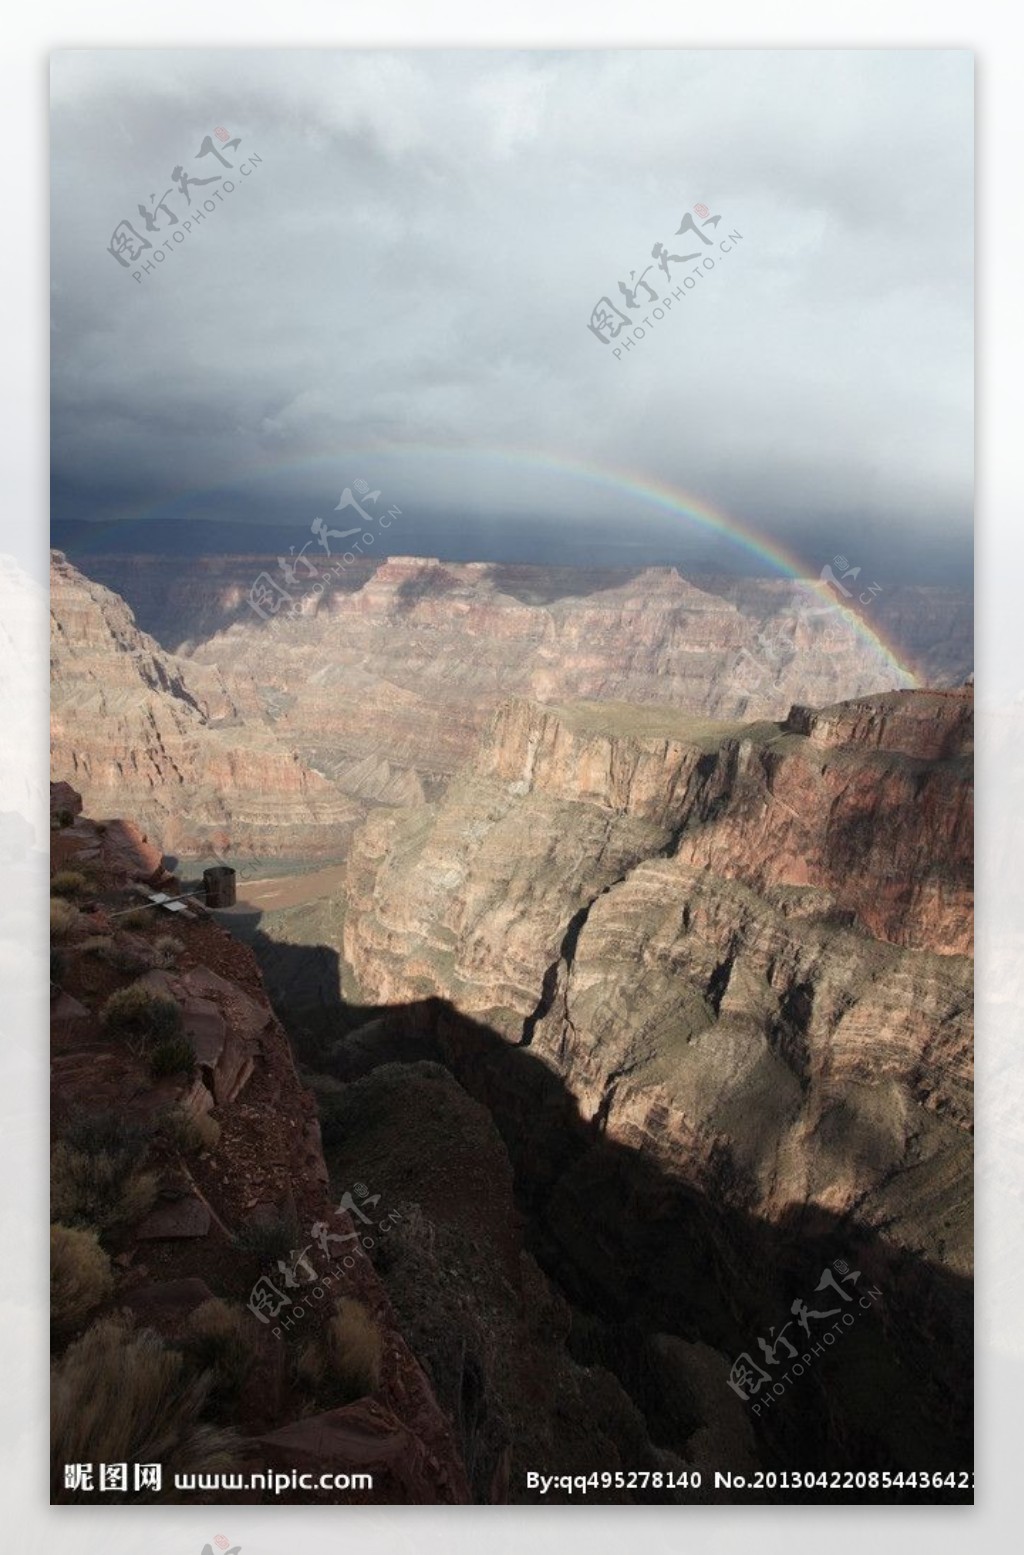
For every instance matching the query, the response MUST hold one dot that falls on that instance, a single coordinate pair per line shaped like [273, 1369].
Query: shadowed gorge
[643, 1021]
[708, 1104]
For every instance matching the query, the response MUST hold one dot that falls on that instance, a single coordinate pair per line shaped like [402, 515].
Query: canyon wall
[385, 684]
[744, 945]
[246, 1161]
[261, 1164]
[135, 728]
[182, 601]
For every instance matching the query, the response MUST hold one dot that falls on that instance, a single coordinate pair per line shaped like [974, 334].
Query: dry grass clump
[271, 1236]
[136, 918]
[63, 918]
[190, 1132]
[221, 1338]
[95, 944]
[167, 948]
[141, 1015]
[132, 960]
[175, 1055]
[125, 958]
[108, 1130]
[80, 1277]
[343, 1361]
[120, 1395]
[68, 882]
[98, 1189]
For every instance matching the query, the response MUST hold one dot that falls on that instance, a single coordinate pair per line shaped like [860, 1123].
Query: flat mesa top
[655, 723]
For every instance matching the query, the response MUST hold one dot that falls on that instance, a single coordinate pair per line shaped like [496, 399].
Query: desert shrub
[80, 1277]
[68, 882]
[95, 1189]
[141, 1015]
[136, 918]
[124, 958]
[220, 1338]
[270, 1237]
[64, 818]
[167, 948]
[125, 1140]
[174, 1055]
[343, 1360]
[121, 1395]
[121, 957]
[95, 944]
[63, 918]
[97, 1171]
[190, 1132]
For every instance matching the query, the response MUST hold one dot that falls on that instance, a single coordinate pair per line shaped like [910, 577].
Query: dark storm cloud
[415, 258]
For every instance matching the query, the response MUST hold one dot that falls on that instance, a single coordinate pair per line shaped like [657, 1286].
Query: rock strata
[142, 732]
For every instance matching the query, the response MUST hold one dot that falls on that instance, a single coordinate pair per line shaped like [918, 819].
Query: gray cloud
[415, 259]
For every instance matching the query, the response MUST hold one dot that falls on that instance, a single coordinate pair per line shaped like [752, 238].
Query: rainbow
[615, 479]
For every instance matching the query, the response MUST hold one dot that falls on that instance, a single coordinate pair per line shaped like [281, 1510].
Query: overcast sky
[413, 263]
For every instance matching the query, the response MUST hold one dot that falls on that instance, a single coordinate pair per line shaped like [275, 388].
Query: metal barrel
[219, 883]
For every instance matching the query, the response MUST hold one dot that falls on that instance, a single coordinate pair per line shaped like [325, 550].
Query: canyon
[376, 692]
[475, 1379]
[714, 985]
[185, 600]
[642, 984]
[137, 729]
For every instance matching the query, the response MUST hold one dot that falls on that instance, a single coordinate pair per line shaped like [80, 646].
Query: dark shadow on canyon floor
[638, 1253]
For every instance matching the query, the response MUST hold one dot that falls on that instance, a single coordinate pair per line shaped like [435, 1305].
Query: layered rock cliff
[746, 943]
[386, 682]
[715, 984]
[183, 601]
[227, 1200]
[204, 1230]
[173, 743]
[409, 667]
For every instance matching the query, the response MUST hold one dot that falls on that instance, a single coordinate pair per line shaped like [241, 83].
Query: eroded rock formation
[738, 955]
[386, 683]
[475, 1381]
[140, 731]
